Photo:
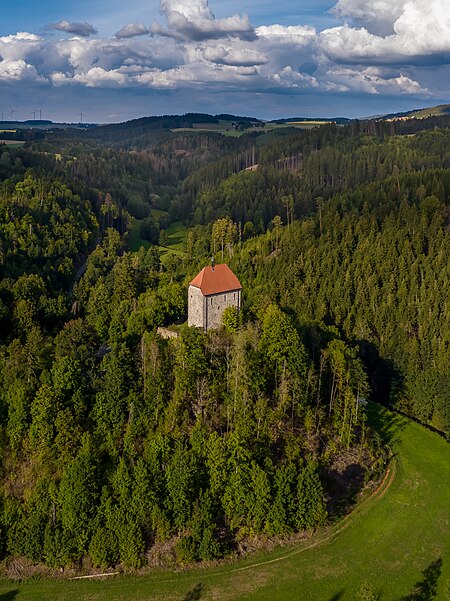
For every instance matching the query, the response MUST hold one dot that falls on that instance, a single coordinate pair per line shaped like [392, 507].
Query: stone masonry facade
[206, 311]
[196, 307]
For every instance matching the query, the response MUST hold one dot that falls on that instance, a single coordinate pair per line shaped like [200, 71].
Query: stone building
[211, 291]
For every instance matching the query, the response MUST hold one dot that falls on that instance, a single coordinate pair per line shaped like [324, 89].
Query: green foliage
[203, 543]
[283, 509]
[78, 493]
[113, 438]
[368, 547]
[366, 592]
[185, 550]
[43, 227]
[180, 483]
[43, 413]
[103, 547]
[231, 319]
[310, 509]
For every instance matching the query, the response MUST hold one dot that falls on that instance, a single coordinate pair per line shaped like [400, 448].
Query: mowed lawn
[398, 540]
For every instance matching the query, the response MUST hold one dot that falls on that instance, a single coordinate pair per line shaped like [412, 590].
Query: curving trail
[397, 540]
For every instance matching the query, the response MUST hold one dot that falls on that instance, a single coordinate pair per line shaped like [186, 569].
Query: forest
[119, 447]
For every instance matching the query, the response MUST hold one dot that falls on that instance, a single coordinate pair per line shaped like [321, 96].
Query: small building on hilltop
[211, 291]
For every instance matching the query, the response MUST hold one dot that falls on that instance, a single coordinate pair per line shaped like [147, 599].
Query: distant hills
[196, 120]
[441, 110]
[149, 131]
[291, 120]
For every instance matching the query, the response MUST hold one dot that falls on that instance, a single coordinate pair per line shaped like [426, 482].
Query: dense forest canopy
[117, 443]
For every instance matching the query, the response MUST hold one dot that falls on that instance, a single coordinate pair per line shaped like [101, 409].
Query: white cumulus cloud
[18, 70]
[299, 34]
[234, 56]
[408, 32]
[132, 30]
[83, 29]
[194, 20]
[377, 16]
[382, 48]
[372, 80]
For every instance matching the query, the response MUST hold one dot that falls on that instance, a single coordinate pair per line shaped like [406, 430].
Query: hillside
[392, 545]
[121, 449]
[152, 130]
[433, 111]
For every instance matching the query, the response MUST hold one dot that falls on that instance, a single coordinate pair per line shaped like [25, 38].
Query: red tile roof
[217, 280]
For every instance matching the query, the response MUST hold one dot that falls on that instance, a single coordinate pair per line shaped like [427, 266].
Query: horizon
[326, 118]
[322, 59]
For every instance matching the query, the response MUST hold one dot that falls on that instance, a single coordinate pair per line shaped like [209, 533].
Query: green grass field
[398, 540]
[158, 213]
[434, 111]
[134, 241]
[224, 131]
[176, 233]
[224, 127]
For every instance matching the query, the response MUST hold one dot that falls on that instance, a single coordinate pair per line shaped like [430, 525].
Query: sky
[116, 60]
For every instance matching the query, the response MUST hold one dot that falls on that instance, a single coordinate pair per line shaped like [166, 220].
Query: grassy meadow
[134, 240]
[396, 541]
[225, 128]
[176, 234]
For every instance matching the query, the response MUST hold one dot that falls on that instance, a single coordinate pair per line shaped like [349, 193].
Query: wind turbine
[12, 113]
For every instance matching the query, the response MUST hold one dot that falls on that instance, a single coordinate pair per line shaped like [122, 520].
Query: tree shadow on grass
[337, 596]
[9, 596]
[195, 594]
[343, 488]
[426, 589]
[387, 424]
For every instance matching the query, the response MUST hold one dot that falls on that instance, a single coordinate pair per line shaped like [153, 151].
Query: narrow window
[225, 297]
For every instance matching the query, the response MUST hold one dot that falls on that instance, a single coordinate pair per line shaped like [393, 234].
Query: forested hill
[148, 131]
[120, 447]
[372, 261]
[375, 263]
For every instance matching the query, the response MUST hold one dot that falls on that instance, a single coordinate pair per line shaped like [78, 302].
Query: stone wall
[196, 307]
[206, 311]
[166, 333]
[216, 305]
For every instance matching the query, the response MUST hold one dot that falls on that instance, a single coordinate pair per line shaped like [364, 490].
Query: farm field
[12, 143]
[397, 541]
[225, 128]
